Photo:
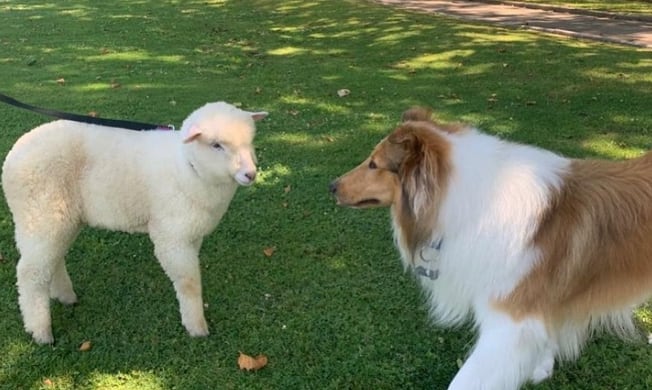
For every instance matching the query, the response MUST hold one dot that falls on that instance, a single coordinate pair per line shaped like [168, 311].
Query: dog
[536, 249]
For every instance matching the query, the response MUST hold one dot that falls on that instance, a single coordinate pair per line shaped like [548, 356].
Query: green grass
[643, 7]
[331, 308]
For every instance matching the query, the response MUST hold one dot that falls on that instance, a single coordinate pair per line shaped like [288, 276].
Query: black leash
[131, 125]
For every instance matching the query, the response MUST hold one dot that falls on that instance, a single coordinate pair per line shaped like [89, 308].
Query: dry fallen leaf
[48, 382]
[93, 114]
[269, 251]
[61, 81]
[249, 363]
[115, 84]
[85, 346]
[343, 92]
[288, 188]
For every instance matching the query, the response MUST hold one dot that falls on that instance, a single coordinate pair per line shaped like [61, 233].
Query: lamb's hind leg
[40, 272]
[61, 285]
[180, 261]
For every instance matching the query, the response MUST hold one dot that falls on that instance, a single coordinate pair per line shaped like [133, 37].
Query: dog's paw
[543, 371]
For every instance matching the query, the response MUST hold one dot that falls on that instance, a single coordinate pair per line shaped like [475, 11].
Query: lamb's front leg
[506, 355]
[180, 261]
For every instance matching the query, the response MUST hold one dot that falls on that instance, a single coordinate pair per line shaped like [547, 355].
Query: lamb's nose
[333, 187]
[251, 175]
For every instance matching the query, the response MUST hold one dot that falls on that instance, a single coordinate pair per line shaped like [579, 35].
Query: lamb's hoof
[198, 330]
[67, 299]
[43, 337]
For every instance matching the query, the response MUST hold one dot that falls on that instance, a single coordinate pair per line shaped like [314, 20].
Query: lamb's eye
[372, 165]
[217, 145]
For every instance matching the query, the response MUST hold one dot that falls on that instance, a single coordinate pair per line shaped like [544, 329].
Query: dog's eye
[217, 145]
[372, 165]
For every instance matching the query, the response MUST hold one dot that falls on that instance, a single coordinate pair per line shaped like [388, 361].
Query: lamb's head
[218, 143]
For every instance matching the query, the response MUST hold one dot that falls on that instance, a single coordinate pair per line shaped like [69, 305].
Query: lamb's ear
[417, 114]
[193, 132]
[258, 116]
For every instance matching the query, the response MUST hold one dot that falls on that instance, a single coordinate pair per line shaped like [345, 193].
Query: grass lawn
[331, 308]
[642, 7]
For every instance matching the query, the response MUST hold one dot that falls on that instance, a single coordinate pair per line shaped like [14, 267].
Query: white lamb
[173, 185]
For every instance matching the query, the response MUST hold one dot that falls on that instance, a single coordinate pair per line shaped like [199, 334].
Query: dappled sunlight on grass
[296, 5]
[620, 73]
[629, 121]
[303, 139]
[11, 353]
[273, 174]
[507, 36]
[293, 51]
[107, 85]
[132, 380]
[287, 51]
[135, 56]
[337, 263]
[25, 7]
[609, 146]
[332, 108]
[443, 60]
[398, 35]
[644, 316]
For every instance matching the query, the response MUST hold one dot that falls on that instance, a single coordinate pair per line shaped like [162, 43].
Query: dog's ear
[423, 171]
[417, 114]
[418, 165]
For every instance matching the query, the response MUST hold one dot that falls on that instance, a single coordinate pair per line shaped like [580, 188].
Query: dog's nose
[333, 187]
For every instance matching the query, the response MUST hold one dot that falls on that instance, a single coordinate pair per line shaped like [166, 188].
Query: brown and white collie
[536, 249]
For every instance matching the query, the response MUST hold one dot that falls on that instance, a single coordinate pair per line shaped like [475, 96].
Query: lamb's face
[220, 146]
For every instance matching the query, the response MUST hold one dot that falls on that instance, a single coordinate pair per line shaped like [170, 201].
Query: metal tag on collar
[436, 245]
[431, 274]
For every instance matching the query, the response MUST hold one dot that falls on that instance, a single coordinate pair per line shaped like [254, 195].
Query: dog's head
[407, 171]
[218, 142]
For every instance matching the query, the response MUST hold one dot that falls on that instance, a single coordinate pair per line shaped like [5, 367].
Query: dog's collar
[429, 266]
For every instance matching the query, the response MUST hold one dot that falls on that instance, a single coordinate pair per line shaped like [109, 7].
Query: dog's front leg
[180, 261]
[505, 356]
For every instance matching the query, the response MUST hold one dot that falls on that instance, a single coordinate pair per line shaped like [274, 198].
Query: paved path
[620, 29]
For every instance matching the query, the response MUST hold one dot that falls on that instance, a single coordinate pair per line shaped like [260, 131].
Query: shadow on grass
[331, 307]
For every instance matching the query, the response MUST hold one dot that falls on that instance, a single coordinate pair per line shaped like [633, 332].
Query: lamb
[173, 185]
